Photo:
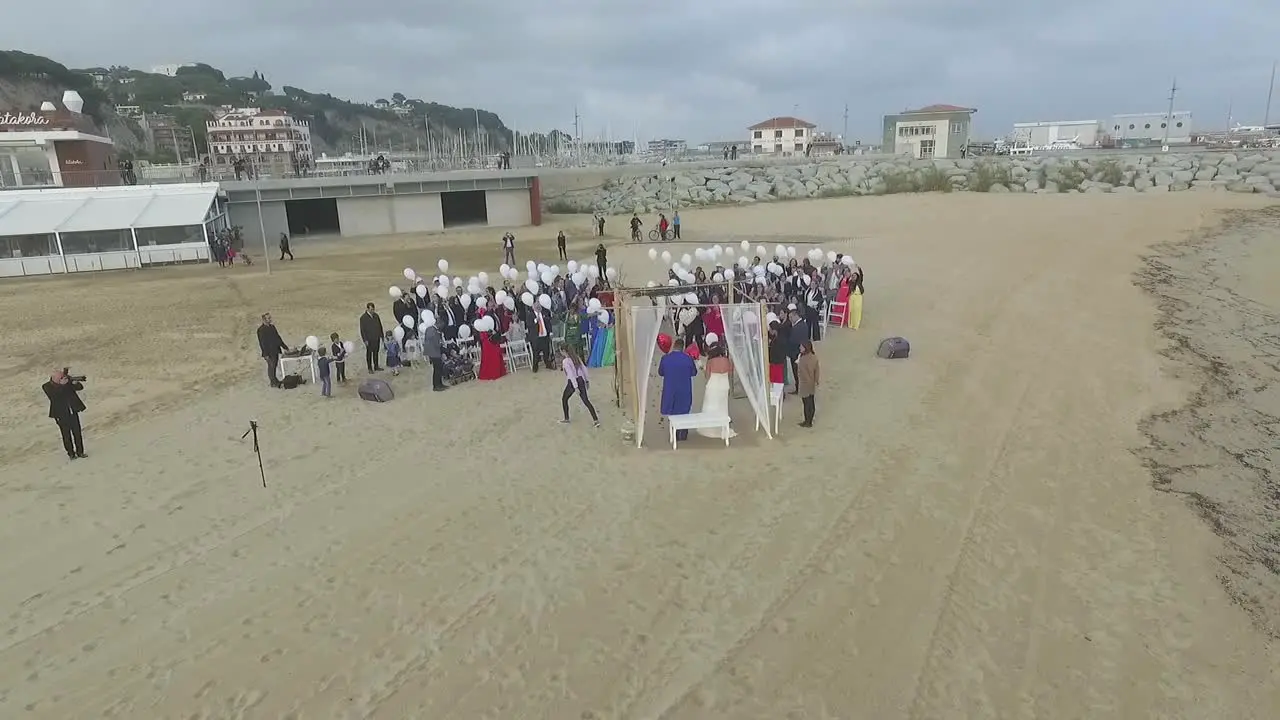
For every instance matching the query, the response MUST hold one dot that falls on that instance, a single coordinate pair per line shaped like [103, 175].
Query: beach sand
[970, 533]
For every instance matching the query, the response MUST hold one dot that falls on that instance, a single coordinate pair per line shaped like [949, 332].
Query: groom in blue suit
[677, 370]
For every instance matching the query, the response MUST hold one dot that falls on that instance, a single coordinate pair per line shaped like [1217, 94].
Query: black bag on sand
[376, 391]
[893, 348]
[291, 381]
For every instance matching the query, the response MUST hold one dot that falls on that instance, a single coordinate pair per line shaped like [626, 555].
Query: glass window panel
[24, 246]
[175, 235]
[96, 241]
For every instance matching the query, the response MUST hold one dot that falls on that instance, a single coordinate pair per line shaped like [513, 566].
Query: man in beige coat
[807, 377]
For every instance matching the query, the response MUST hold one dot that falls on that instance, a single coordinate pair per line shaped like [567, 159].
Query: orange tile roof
[784, 122]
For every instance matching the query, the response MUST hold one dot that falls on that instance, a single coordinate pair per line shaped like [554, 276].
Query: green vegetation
[933, 180]
[1110, 172]
[985, 175]
[1070, 176]
[21, 67]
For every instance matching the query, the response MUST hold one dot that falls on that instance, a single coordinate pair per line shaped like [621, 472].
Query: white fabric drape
[742, 335]
[646, 324]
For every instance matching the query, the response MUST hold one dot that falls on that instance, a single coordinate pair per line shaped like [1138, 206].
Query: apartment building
[784, 136]
[271, 142]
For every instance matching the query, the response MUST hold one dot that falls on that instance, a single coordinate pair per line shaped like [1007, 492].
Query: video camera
[74, 378]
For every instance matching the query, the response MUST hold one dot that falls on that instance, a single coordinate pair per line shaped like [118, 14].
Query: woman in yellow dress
[855, 297]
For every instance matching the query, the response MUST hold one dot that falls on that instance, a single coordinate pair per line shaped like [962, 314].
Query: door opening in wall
[926, 149]
[312, 217]
[468, 207]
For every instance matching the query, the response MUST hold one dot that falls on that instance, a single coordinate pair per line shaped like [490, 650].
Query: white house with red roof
[933, 131]
[783, 136]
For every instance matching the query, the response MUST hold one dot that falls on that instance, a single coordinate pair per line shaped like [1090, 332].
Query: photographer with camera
[65, 407]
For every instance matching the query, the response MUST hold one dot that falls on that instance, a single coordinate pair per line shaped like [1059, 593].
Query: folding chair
[838, 314]
[519, 355]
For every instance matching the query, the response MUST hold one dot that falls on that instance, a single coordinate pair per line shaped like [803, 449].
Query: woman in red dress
[492, 366]
[713, 319]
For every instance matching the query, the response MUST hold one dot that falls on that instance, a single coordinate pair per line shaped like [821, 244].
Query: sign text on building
[30, 118]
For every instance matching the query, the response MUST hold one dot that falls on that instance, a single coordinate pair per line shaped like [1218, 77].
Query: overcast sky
[705, 70]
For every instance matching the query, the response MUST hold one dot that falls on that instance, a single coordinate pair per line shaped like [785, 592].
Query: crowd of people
[447, 322]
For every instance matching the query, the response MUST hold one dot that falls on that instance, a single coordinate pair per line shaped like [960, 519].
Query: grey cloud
[706, 70]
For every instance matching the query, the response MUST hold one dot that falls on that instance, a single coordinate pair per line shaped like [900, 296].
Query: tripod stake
[257, 450]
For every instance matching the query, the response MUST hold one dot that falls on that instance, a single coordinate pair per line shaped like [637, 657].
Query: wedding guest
[799, 334]
[575, 373]
[433, 349]
[323, 361]
[560, 245]
[807, 378]
[339, 352]
[65, 407]
[391, 347]
[271, 345]
[777, 355]
[371, 334]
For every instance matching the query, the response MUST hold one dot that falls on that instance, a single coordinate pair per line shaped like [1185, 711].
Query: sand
[970, 533]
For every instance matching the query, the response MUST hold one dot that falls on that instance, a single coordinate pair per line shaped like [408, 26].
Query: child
[392, 348]
[339, 357]
[323, 361]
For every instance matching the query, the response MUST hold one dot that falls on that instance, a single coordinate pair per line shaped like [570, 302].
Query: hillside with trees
[196, 92]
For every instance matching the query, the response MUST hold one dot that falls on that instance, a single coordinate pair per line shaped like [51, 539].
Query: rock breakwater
[647, 192]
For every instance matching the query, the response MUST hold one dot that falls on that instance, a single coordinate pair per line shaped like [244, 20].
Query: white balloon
[593, 272]
[750, 318]
[700, 254]
[313, 342]
[398, 333]
[712, 338]
[791, 251]
[717, 277]
[831, 256]
[545, 301]
[758, 270]
[603, 316]
[578, 278]
[666, 257]
[677, 268]
[677, 299]
[349, 346]
[673, 282]
[531, 285]
[728, 274]
[547, 277]
[500, 296]
[573, 266]
[779, 251]
[409, 274]
[685, 259]
[746, 246]
[482, 301]
[728, 252]
[847, 260]
[653, 253]
[805, 279]
[489, 323]
[457, 282]
[421, 290]
[760, 251]
[593, 305]
[760, 280]
[407, 321]
[443, 265]
[442, 292]
[612, 274]
[716, 250]
[465, 300]
[509, 303]
[428, 318]
[542, 267]
[531, 267]
[651, 284]
[503, 269]
[771, 318]
[691, 298]
[464, 332]
[394, 292]
[743, 262]
[526, 299]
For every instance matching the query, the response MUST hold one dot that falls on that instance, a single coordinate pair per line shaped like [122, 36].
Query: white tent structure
[63, 230]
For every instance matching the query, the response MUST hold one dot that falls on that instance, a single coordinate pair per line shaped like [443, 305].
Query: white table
[297, 364]
[698, 421]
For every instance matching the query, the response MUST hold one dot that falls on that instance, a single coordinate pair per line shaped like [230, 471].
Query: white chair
[519, 355]
[776, 393]
[837, 313]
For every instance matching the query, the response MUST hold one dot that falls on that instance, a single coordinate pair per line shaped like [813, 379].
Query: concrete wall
[416, 213]
[366, 216]
[508, 208]
[246, 216]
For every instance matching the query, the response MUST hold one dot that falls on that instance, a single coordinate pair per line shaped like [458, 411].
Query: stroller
[458, 368]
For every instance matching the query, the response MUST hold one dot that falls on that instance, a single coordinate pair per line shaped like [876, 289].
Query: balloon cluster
[731, 266]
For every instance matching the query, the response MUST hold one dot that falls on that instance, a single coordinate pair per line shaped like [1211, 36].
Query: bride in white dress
[715, 397]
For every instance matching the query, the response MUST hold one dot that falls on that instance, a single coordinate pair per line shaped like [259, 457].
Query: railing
[163, 175]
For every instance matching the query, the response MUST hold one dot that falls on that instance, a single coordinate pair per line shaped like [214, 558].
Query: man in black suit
[402, 308]
[65, 407]
[537, 324]
[271, 345]
[371, 334]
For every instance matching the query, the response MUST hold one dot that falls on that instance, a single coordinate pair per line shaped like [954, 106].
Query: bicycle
[635, 235]
[667, 236]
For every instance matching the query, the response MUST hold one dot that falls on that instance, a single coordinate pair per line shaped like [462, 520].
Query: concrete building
[168, 69]
[163, 134]
[933, 131]
[783, 136]
[1148, 129]
[271, 141]
[383, 204]
[65, 230]
[668, 147]
[1085, 133]
[55, 147]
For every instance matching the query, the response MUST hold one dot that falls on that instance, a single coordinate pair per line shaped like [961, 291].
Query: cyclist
[635, 228]
[662, 227]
